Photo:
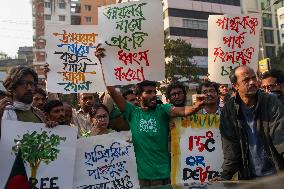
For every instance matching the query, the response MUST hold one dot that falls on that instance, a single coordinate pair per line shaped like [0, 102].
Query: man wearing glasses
[272, 81]
[176, 94]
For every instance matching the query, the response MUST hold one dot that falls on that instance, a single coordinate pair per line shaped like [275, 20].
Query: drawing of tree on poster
[37, 148]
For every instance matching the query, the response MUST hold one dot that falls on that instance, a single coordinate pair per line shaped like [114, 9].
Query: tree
[277, 62]
[178, 53]
[38, 147]
[4, 56]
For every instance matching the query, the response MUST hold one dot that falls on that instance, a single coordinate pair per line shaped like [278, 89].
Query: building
[75, 12]
[89, 10]
[47, 12]
[280, 17]
[270, 40]
[187, 20]
[26, 53]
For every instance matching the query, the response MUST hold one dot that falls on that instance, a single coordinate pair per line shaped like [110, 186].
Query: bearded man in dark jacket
[252, 129]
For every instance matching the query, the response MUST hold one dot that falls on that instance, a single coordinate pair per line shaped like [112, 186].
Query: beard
[27, 98]
[150, 103]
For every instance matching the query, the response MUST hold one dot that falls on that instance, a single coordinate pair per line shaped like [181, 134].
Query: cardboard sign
[105, 161]
[132, 34]
[233, 40]
[49, 154]
[73, 65]
[197, 154]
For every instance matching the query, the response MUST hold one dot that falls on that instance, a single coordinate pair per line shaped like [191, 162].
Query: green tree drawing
[38, 147]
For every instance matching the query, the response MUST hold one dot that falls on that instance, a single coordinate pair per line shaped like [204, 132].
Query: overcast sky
[15, 25]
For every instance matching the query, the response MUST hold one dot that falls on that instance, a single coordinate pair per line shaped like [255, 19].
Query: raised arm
[117, 98]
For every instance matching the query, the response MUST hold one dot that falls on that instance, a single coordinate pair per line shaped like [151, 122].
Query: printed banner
[105, 161]
[48, 154]
[233, 40]
[73, 65]
[197, 154]
[132, 34]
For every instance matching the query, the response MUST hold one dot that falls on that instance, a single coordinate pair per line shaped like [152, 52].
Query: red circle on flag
[18, 182]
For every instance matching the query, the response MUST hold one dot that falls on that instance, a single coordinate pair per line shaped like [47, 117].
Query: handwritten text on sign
[131, 55]
[197, 149]
[105, 162]
[232, 41]
[72, 61]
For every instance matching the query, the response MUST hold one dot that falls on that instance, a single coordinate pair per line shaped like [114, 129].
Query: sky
[16, 28]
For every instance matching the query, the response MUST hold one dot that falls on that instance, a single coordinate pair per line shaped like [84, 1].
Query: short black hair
[41, 92]
[95, 108]
[139, 86]
[51, 104]
[127, 92]
[278, 74]
[208, 84]
[173, 86]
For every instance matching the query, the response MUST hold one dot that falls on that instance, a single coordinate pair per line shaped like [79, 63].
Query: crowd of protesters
[251, 118]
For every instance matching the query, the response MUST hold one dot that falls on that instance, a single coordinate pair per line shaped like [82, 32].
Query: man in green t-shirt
[149, 125]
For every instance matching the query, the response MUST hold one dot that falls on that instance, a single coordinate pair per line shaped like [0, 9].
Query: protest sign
[105, 161]
[49, 154]
[73, 65]
[196, 145]
[133, 36]
[233, 40]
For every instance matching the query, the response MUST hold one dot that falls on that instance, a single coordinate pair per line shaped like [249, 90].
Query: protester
[81, 117]
[99, 117]
[176, 94]
[210, 90]
[149, 125]
[55, 112]
[39, 98]
[130, 97]
[272, 81]
[20, 84]
[252, 129]
[223, 94]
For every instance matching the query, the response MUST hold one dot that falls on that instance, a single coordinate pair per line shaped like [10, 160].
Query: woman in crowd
[99, 116]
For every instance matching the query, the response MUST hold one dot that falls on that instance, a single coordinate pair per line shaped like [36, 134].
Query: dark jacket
[269, 114]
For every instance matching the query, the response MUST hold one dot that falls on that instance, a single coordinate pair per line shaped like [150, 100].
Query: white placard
[58, 172]
[233, 40]
[105, 161]
[73, 65]
[132, 34]
[197, 154]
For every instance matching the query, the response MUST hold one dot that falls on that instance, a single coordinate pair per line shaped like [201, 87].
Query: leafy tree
[4, 56]
[277, 62]
[178, 52]
[38, 147]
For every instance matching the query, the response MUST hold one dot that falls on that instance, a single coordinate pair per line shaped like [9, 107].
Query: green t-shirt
[150, 130]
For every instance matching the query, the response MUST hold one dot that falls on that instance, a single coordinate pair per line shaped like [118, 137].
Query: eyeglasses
[101, 117]
[26, 83]
[269, 87]
[179, 93]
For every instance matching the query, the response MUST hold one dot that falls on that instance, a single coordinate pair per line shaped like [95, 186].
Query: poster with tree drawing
[48, 154]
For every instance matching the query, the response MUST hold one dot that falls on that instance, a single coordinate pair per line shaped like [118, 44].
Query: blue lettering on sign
[195, 160]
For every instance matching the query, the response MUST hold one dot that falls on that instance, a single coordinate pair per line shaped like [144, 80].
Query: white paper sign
[58, 172]
[73, 65]
[105, 161]
[233, 40]
[132, 34]
[197, 154]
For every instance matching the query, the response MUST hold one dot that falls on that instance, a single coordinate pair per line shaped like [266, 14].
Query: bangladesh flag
[18, 177]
